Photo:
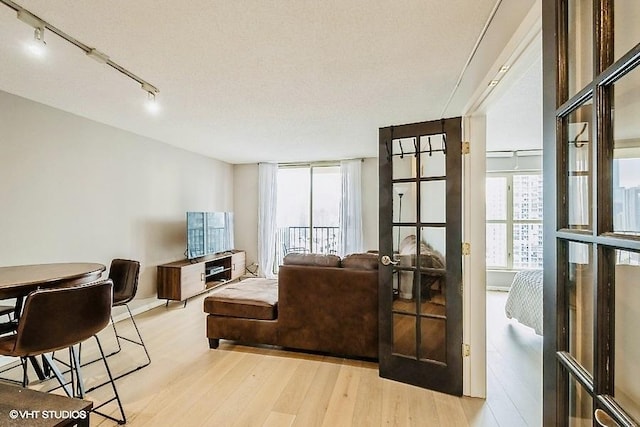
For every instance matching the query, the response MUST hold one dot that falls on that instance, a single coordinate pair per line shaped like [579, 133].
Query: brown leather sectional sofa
[319, 303]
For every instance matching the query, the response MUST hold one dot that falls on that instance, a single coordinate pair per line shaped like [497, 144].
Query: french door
[420, 309]
[592, 212]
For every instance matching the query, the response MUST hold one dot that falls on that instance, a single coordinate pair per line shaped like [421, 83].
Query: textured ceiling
[254, 80]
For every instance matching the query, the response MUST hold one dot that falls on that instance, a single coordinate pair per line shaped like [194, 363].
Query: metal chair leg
[113, 386]
[140, 343]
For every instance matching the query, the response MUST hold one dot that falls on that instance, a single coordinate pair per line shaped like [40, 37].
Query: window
[308, 209]
[514, 220]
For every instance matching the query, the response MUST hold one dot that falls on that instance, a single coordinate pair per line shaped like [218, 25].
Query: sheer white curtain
[267, 202]
[351, 239]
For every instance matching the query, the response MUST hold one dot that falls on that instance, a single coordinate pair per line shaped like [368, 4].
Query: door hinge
[466, 147]
[466, 248]
[466, 350]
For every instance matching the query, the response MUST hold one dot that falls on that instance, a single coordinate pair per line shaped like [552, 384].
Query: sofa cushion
[368, 261]
[250, 299]
[317, 260]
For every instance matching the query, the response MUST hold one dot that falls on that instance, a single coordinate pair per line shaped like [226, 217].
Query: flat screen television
[209, 233]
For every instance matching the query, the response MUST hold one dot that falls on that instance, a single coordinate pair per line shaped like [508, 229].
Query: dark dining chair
[58, 318]
[124, 274]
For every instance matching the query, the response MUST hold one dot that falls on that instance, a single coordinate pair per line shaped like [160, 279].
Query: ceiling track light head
[38, 24]
[98, 56]
[151, 90]
[38, 35]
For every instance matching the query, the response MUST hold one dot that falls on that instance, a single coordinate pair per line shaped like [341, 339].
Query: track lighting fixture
[38, 44]
[39, 25]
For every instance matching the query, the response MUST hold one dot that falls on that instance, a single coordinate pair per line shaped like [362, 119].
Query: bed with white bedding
[524, 302]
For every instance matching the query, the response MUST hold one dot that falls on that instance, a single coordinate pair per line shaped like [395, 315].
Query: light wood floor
[187, 384]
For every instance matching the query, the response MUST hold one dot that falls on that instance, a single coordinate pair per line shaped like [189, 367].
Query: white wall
[76, 190]
[245, 201]
[246, 207]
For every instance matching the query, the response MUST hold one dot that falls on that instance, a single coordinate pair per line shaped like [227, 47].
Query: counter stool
[58, 318]
[124, 274]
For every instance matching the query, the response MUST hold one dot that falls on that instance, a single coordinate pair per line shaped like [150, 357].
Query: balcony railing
[319, 240]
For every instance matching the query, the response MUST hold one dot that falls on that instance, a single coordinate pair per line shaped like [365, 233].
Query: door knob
[385, 260]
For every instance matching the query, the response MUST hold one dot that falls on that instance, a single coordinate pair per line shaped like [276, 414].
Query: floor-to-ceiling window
[592, 227]
[514, 220]
[308, 209]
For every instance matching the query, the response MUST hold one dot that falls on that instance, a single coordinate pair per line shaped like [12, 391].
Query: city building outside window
[514, 220]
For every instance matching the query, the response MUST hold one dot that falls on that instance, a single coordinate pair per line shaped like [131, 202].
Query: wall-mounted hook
[575, 140]
[430, 149]
[416, 148]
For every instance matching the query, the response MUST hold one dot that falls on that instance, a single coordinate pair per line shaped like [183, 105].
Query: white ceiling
[254, 80]
[514, 121]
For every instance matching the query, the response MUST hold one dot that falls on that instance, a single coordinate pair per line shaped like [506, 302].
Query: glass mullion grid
[604, 241]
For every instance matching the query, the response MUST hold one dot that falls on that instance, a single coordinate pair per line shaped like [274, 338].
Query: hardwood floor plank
[449, 409]
[292, 397]
[368, 406]
[422, 408]
[257, 410]
[316, 401]
[278, 419]
[343, 399]
[395, 404]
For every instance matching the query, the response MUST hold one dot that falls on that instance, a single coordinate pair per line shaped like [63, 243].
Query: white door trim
[525, 42]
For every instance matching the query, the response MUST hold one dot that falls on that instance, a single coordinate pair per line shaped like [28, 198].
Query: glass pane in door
[433, 342]
[626, 155]
[404, 335]
[404, 253]
[580, 405]
[433, 201]
[581, 309]
[627, 325]
[627, 30]
[404, 202]
[404, 159]
[433, 161]
[579, 146]
[580, 46]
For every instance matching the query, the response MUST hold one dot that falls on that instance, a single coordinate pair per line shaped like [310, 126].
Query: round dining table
[18, 281]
